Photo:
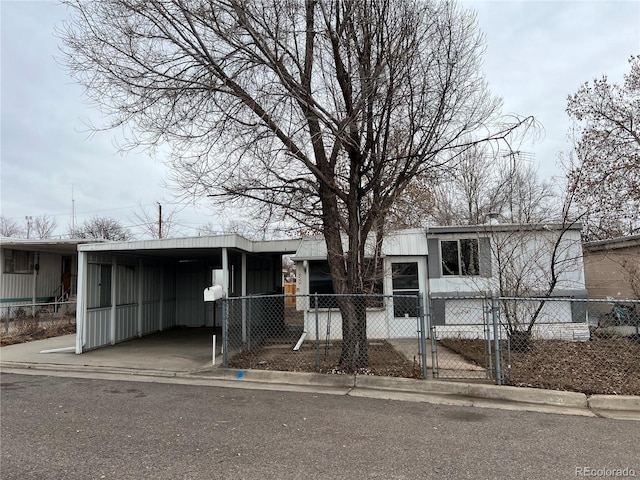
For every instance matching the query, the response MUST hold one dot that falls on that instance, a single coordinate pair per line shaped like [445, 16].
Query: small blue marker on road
[239, 374]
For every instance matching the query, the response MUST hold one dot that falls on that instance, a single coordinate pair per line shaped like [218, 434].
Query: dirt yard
[384, 360]
[21, 330]
[604, 366]
[600, 366]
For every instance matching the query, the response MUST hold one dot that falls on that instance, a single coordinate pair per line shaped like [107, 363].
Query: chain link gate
[469, 324]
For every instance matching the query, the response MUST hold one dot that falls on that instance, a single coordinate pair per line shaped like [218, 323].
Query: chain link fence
[592, 346]
[25, 322]
[368, 334]
[586, 345]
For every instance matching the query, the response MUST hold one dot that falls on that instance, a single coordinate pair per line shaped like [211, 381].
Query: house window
[18, 261]
[460, 257]
[321, 282]
[406, 287]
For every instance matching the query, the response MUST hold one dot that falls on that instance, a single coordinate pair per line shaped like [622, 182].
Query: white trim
[81, 293]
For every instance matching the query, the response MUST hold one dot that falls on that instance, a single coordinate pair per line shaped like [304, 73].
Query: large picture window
[460, 257]
[18, 261]
[321, 282]
[406, 287]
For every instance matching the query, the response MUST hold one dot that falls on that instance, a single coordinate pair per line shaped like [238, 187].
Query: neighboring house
[612, 268]
[135, 288]
[447, 267]
[37, 271]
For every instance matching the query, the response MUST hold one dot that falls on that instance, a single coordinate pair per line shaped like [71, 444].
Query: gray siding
[438, 311]
[433, 259]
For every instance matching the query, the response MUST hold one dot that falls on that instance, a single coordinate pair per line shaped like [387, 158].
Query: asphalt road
[69, 428]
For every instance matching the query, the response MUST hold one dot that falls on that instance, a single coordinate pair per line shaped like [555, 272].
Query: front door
[408, 275]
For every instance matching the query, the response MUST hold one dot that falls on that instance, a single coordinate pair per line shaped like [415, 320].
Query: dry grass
[28, 329]
[601, 366]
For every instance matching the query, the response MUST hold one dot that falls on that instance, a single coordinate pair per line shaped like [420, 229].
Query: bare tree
[479, 185]
[43, 226]
[101, 228]
[10, 228]
[533, 261]
[606, 170]
[318, 112]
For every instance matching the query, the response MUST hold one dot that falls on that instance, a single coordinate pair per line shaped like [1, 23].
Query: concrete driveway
[179, 350]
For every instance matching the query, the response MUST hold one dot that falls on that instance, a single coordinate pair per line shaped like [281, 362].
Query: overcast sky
[538, 52]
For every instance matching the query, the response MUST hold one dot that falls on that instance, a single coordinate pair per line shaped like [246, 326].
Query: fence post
[496, 341]
[247, 323]
[423, 337]
[225, 332]
[317, 334]
[434, 353]
[487, 309]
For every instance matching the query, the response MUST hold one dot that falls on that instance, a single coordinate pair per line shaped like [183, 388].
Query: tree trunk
[355, 354]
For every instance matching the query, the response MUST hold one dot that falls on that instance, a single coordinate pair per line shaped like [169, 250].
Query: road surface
[70, 428]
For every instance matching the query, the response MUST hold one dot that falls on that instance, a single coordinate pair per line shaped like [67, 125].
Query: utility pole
[159, 220]
[28, 219]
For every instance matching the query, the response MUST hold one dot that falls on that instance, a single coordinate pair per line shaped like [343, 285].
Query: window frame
[20, 258]
[465, 267]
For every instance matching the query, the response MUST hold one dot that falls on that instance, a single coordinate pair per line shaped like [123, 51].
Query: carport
[130, 289]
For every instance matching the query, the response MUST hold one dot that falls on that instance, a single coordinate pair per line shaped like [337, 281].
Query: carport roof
[194, 246]
[62, 246]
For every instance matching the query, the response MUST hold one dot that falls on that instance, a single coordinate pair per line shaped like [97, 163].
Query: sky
[537, 53]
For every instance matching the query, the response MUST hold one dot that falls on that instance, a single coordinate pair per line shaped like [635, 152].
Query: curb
[626, 403]
[396, 388]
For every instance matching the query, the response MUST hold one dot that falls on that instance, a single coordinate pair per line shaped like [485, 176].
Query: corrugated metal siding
[49, 276]
[151, 283]
[17, 286]
[405, 243]
[20, 286]
[259, 275]
[150, 317]
[97, 328]
[126, 322]
[169, 314]
[126, 285]
[191, 282]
